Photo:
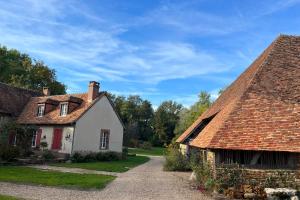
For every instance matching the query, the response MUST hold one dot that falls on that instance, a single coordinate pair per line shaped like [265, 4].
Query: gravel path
[74, 170]
[144, 182]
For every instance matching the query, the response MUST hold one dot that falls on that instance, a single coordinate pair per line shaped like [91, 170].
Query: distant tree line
[159, 126]
[19, 70]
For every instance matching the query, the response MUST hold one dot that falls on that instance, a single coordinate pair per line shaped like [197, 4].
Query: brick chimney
[46, 91]
[93, 91]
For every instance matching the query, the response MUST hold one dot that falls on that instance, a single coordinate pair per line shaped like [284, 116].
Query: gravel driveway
[146, 181]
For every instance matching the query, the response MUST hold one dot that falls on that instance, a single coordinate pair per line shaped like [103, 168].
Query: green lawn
[29, 175]
[154, 151]
[4, 197]
[109, 166]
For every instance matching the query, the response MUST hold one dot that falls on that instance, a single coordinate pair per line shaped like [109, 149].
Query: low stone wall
[281, 176]
[262, 175]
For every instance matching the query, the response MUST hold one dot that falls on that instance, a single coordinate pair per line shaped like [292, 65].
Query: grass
[29, 175]
[109, 166]
[154, 151]
[4, 197]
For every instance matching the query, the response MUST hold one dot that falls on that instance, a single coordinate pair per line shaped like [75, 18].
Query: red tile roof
[29, 114]
[261, 109]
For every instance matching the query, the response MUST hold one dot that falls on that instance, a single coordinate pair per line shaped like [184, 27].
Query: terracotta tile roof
[13, 99]
[29, 114]
[261, 109]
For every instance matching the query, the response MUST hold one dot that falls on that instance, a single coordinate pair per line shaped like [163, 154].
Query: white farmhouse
[74, 122]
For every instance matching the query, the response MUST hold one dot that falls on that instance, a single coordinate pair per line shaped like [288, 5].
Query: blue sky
[158, 49]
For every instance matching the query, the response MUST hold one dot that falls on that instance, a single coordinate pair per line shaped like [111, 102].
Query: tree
[20, 70]
[188, 116]
[23, 133]
[165, 119]
[137, 116]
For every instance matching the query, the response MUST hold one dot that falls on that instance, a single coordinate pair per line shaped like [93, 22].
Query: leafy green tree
[188, 116]
[165, 120]
[20, 70]
[137, 116]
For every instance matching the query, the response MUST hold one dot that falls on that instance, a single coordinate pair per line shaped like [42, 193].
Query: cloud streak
[83, 43]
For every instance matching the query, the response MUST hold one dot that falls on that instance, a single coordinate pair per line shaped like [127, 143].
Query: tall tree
[188, 116]
[20, 70]
[137, 115]
[165, 119]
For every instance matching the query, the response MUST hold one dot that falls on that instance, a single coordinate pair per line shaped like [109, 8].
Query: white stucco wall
[47, 135]
[66, 144]
[88, 128]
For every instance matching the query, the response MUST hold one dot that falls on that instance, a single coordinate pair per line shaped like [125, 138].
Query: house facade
[255, 122]
[74, 122]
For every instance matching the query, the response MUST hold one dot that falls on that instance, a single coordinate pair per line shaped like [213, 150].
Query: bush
[204, 175]
[48, 155]
[81, 157]
[90, 157]
[124, 153]
[43, 145]
[112, 156]
[77, 158]
[9, 153]
[134, 143]
[231, 176]
[176, 161]
[146, 145]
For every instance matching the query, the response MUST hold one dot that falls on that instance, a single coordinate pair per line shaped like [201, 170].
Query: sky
[158, 49]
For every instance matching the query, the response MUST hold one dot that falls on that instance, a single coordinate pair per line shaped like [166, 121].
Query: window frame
[41, 110]
[64, 112]
[104, 139]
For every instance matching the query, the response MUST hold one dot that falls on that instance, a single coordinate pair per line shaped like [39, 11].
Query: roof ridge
[271, 49]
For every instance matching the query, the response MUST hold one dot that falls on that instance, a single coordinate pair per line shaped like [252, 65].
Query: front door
[57, 136]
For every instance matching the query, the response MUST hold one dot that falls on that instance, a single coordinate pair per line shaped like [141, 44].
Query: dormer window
[41, 110]
[63, 109]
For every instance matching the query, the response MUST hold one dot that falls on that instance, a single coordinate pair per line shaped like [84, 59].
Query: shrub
[204, 175]
[124, 153]
[48, 155]
[80, 157]
[9, 153]
[146, 145]
[134, 143]
[77, 158]
[176, 161]
[44, 145]
[230, 176]
[90, 157]
[112, 156]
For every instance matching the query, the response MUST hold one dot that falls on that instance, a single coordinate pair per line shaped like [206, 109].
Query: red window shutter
[38, 137]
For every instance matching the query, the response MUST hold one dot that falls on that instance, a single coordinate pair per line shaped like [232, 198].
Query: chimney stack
[46, 91]
[93, 91]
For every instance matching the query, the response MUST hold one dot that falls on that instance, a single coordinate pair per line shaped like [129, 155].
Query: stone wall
[285, 177]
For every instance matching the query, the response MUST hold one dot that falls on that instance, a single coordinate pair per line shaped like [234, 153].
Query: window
[104, 139]
[63, 109]
[33, 141]
[41, 110]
